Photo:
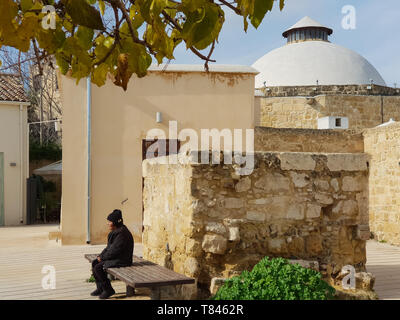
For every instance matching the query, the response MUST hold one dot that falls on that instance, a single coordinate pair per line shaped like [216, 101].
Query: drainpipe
[89, 138]
[21, 169]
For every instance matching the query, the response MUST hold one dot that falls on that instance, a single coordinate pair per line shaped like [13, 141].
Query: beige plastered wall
[13, 144]
[120, 121]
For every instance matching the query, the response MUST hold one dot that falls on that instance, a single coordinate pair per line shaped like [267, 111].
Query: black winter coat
[119, 250]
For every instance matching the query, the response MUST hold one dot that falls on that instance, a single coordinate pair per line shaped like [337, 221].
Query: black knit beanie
[116, 218]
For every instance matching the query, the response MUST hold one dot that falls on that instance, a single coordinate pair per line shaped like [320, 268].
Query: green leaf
[62, 62]
[99, 74]
[261, 7]
[26, 5]
[84, 14]
[281, 4]
[85, 36]
[102, 7]
[202, 26]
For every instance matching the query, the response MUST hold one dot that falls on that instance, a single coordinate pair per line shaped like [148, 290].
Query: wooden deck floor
[25, 250]
[383, 261]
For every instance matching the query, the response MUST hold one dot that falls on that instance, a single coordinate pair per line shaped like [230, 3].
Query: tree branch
[236, 10]
[179, 28]
[116, 37]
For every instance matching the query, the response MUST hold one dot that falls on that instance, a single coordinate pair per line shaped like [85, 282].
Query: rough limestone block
[192, 267]
[234, 234]
[365, 280]
[277, 245]
[255, 216]
[300, 180]
[296, 161]
[273, 182]
[323, 198]
[233, 203]
[243, 185]
[347, 162]
[353, 183]
[335, 184]
[314, 265]
[363, 232]
[178, 292]
[348, 208]
[214, 244]
[313, 211]
[322, 185]
[314, 244]
[296, 211]
[215, 227]
[261, 201]
[216, 283]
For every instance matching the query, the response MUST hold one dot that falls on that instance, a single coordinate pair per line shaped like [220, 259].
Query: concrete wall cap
[215, 68]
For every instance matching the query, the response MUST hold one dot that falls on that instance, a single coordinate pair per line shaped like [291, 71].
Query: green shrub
[276, 279]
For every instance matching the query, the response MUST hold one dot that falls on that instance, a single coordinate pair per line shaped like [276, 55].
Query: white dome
[303, 63]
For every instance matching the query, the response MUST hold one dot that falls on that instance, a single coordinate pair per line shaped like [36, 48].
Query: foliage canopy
[276, 279]
[119, 37]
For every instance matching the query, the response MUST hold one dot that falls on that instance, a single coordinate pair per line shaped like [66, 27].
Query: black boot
[98, 291]
[108, 290]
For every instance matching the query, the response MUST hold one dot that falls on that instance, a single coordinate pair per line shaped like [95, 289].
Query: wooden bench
[145, 274]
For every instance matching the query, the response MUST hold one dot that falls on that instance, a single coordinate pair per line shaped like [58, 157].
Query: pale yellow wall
[303, 112]
[74, 142]
[120, 121]
[13, 143]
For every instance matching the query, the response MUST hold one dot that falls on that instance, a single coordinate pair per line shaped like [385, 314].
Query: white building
[13, 151]
[309, 58]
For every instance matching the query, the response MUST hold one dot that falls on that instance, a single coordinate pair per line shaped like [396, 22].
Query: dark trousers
[98, 272]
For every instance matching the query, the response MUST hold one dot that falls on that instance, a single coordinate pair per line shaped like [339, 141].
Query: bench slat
[138, 274]
[155, 271]
[145, 273]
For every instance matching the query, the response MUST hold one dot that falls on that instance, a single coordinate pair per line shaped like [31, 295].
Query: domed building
[309, 58]
[313, 83]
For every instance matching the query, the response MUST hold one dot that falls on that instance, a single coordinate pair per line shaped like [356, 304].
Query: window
[338, 122]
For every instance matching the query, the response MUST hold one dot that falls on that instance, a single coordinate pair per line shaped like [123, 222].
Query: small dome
[309, 58]
[307, 23]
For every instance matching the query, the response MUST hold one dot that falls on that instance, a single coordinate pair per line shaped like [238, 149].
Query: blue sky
[376, 37]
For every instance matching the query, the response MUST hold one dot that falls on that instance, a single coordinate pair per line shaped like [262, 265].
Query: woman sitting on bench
[118, 253]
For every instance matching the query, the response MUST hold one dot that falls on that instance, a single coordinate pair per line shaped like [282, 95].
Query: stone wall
[294, 91]
[205, 221]
[383, 146]
[307, 140]
[303, 112]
